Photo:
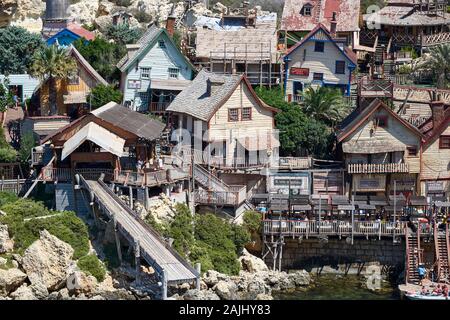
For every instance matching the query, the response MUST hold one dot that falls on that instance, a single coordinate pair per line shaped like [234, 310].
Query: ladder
[441, 244]
[413, 256]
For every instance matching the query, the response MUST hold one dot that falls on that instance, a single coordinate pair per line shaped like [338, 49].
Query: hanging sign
[302, 72]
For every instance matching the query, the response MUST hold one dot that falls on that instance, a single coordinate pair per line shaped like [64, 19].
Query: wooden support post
[146, 198]
[198, 267]
[131, 196]
[137, 261]
[18, 185]
[116, 236]
[3, 183]
[281, 253]
[164, 285]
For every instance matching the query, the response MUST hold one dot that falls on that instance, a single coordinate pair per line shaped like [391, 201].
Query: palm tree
[438, 62]
[325, 104]
[51, 64]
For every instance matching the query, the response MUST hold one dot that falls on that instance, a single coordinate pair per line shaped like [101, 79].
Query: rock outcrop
[47, 261]
[251, 263]
[6, 244]
[10, 280]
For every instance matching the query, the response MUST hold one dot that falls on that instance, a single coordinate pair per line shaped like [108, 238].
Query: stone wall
[339, 256]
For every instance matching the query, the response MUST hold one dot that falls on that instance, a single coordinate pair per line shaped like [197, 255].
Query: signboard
[369, 183]
[134, 84]
[328, 182]
[435, 186]
[282, 182]
[403, 182]
[302, 72]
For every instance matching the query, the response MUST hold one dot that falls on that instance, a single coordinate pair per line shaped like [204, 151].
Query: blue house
[319, 59]
[153, 72]
[68, 35]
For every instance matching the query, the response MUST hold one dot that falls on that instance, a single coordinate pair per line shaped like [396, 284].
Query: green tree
[439, 64]
[17, 47]
[103, 56]
[26, 144]
[102, 94]
[325, 104]
[123, 34]
[51, 64]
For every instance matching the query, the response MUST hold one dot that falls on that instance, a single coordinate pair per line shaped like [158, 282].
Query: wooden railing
[152, 178]
[335, 228]
[56, 174]
[158, 106]
[375, 88]
[236, 196]
[37, 157]
[435, 39]
[377, 168]
[295, 163]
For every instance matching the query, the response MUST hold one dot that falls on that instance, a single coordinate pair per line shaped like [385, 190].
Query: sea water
[341, 287]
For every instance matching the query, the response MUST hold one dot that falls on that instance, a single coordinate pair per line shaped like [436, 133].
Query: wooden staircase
[413, 256]
[441, 244]
[209, 181]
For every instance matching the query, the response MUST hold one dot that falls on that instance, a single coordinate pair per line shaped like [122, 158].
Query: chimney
[170, 25]
[437, 112]
[333, 25]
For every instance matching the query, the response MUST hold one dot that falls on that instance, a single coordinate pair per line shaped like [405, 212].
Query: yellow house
[71, 94]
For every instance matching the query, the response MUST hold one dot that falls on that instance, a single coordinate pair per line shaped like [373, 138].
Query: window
[444, 142]
[319, 46]
[412, 151]
[145, 73]
[162, 44]
[381, 121]
[307, 11]
[318, 76]
[233, 114]
[340, 67]
[173, 73]
[246, 114]
[144, 97]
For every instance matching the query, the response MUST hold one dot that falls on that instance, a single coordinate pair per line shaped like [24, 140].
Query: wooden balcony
[435, 39]
[333, 228]
[158, 107]
[366, 168]
[234, 197]
[375, 88]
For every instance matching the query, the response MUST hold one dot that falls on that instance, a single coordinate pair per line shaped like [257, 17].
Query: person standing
[422, 272]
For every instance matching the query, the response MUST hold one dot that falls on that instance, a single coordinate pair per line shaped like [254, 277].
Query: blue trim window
[318, 76]
[340, 67]
[319, 46]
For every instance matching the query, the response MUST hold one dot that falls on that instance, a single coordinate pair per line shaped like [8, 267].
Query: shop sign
[296, 182]
[370, 183]
[302, 72]
[435, 186]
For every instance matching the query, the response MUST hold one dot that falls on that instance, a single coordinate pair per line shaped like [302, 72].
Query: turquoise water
[337, 287]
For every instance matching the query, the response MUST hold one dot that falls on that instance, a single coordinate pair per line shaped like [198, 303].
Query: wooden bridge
[147, 243]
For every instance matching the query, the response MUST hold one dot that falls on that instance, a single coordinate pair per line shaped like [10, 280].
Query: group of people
[437, 291]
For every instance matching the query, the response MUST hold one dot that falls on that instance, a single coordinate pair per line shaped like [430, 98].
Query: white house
[319, 59]
[154, 71]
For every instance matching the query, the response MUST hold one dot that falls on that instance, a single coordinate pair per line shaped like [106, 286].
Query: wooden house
[302, 16]
[224, 112]
[69, 34]
[380, 149]
[153, 72]
[71, 94]
[435, 167]
[22, 84]
[239, 44]
[416, 23]
[318, 59]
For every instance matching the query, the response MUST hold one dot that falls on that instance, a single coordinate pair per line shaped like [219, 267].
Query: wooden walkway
[151, 247]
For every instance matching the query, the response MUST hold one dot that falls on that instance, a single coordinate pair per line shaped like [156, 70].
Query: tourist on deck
[422, 272]
[445, 291]
[437, 290]
[424, 291]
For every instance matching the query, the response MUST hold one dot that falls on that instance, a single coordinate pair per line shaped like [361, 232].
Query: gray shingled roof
[131, 121]
[196, 101]
[149, 36]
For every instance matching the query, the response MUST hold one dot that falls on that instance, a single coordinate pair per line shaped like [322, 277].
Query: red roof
[82, 32]
[436, 128]
[347, 14]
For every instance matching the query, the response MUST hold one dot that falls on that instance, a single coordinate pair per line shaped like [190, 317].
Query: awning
[443, 204]
[418, 201]
[301, 207]
[378, 202]
[75, 98]
[366, 206]
[98, 135]
[372, 146]
[346, 207]
[167, 84]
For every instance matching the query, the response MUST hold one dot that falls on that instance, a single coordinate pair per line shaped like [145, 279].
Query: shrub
[182, 230]
[102, 94]
[8, 155]
[240, 237]
[93, 266]
[26, 144]
[7, 197]
[252, 221]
